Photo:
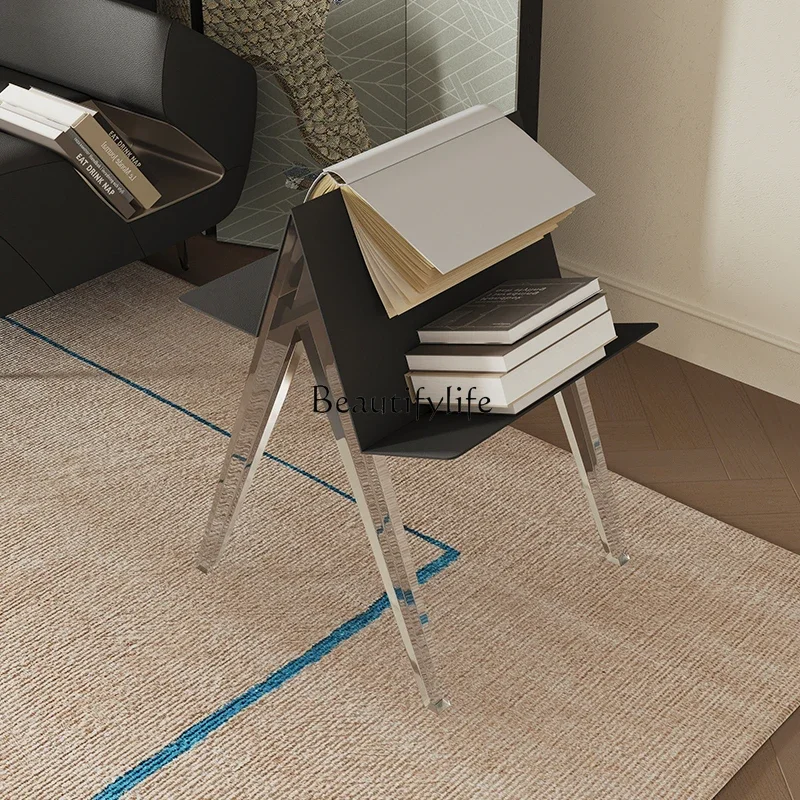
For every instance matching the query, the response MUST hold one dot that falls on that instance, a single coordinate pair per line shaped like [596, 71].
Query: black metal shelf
[370, 347]
[446, 436]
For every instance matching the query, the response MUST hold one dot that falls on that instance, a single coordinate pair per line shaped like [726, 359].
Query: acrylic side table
[320, 295]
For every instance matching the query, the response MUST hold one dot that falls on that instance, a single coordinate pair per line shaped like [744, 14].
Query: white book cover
[44, 129]
[71, 104]
[503, 357]
[463, 186]
[63, 112]
[32, 115]
[544, 389]
[503, 389]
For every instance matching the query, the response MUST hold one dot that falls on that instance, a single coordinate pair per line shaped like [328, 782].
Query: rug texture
[124, 672]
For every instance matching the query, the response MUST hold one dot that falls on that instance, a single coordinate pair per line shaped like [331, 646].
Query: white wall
[684, 117]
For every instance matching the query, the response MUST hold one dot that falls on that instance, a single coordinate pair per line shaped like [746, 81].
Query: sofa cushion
[21, 79]
[16, 153]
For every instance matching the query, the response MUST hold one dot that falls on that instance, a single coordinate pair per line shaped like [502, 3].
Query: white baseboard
[718, 343]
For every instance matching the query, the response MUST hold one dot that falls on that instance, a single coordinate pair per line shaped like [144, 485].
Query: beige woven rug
[126, 673]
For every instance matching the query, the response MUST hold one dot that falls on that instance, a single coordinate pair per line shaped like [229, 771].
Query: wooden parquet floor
[724, 448]
[710, 442]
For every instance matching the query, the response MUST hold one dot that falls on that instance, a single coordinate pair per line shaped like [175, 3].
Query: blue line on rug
[115, 375]
[202, 729]
[197, 418]
[196, 733]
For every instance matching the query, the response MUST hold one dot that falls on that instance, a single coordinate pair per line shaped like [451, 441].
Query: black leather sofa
[54, 231]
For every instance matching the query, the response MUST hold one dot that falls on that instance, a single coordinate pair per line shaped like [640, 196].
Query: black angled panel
[370, 348]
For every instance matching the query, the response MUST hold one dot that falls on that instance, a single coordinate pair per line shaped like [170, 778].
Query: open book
[439, 205]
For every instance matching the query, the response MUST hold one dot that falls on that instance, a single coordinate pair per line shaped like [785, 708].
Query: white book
[503, 389]
[521, 403]
[503, 357]
[440, 204]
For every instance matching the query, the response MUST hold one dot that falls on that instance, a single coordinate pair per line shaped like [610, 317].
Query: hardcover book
[508, 312]
[503, 357]
[83, 121]
[537, 393]
[439, 205]
[504, 389]
[66, 142]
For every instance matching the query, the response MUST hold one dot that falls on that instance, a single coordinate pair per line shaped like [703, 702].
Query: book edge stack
[514, 367]
[80, 133]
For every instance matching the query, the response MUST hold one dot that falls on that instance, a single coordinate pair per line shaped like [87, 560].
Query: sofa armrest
[127, 56]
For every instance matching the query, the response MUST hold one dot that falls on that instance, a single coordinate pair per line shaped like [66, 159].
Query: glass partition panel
[336, 78]
[460, 53]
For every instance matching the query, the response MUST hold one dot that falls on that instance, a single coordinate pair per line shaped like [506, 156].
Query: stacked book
[84, 136]
[510, 347]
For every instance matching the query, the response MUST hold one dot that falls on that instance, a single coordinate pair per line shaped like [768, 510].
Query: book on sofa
[440, 204]
[64, 141]
[90, 131]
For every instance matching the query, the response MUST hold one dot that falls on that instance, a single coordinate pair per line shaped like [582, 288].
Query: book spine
[115, 135]
[120, 142]
[85, 161]
[129, 175]
[102, 168]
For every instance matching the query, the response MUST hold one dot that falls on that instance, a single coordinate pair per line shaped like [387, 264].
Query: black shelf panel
[237, 298]
[448, 436]
[370, 347]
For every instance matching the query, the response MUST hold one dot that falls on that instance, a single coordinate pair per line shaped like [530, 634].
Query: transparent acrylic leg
[265, 391]
[271, 370]
[575, 408]
[377, 505]
[292, 314]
